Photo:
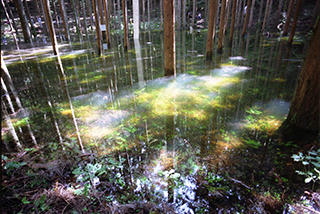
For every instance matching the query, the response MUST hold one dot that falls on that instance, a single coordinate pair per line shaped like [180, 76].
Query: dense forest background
[70, 69]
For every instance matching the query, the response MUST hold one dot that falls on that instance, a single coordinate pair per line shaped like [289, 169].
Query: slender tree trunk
[136, 21]
[276, 19]
[161, 14]
[64, 19]
[233, 20]
[227, 16]
[246, 19]
[288, 19]
[98, 29]
[144, 13]
[305, 107]
[89, 11]
[239, 12]
[295, 21]
[23, 20]
[251, 13]
[149, 11]
[106, 14]
[265, 15]
[101, 7]
[184, 21]
[194, 12]
[125, 25]
[211, 28]
[28, 14]
[314, 15]
[169, 38]
[221, 31]
[51, 27]
[179, 14]
[260, 11]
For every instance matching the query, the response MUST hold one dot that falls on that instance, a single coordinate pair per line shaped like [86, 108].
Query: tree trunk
[246, 19]
[276, 19]
[194, 12]
[260, 11]
[221, 31]
[64, 19]
[54, 42]
[106, 14]
[23, 20]
[125, 25]
[161, 14]
[305, 107]
[295, 20]
[149, 12]
[227, 16]
[169, 38]
[211, 28]
[233, 20]
[288, 19]
[136, 22]
[251, 13]
[28, 14]
[179, 14]
[97, 23]
[314, 15]
[144, 14]
[184, 21]
[265, 15]
[89, 11]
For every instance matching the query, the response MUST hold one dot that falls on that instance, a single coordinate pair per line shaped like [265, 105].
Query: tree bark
[50, 26]
[211, 28]
[265, 15]
[295, 21]
[288, 19]
[98, 29]
[246, 19]
[169, 38]
[106, 14]
[64, 19]
[125, 25]
[233, 20]
[221, 26]
[276, 19]
[23, 20]
[305, 107]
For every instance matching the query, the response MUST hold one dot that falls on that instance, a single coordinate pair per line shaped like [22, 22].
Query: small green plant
[311, 163]
[90, 176]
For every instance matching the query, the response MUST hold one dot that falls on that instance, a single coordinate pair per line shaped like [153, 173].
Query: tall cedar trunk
[169, 38]
[23, 20]
[233, 20]
[314, 15]
[211, 28]
[89, 11]
[161, 14]
[221, 26]
[106, 14]
[28, 14]
[295, 21]
[305, 107]
[97, 23]
[276, 19]
[125, 25]
[101, 11]
[144, 14]
[260, 11]
[246, 19]
[265, 16]
[227, 16]
[251, 13]
[149, 12]
[288, 19]
[64, 19]
[194, 12]
[184, 21]
[179, 14]
[50, 26]
[136, 22]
